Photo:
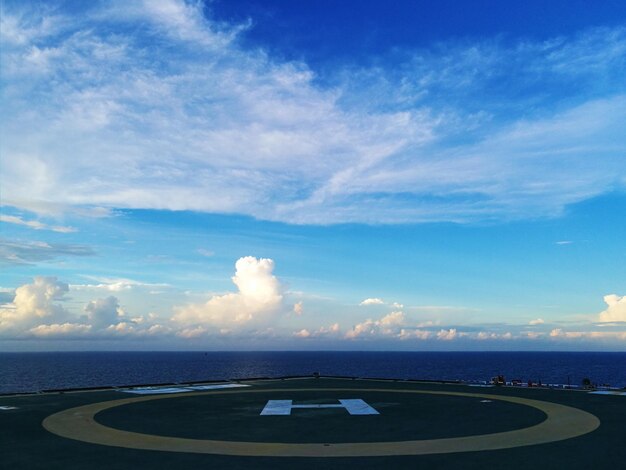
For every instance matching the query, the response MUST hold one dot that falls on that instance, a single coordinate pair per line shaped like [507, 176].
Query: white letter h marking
[354, 406]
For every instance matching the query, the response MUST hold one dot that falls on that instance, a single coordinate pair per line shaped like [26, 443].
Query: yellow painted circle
[562, 422]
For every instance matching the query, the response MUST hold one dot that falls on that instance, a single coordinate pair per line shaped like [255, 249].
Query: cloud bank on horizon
[38, 312]
[156, 105]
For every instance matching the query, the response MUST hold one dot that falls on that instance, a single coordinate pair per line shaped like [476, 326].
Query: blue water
[23, 372]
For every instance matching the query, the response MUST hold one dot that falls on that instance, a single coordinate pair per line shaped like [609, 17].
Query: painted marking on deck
[562, 422]
[354, 406]
[191, 388]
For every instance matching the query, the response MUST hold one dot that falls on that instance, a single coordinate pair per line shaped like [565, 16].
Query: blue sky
[313, 175]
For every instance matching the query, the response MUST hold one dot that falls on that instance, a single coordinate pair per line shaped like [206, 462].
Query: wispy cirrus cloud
[212, 126]
[116, 284]
[35, 224]
[25, 252]
[204, 252]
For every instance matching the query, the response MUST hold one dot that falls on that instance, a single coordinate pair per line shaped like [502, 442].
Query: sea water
[27, 372]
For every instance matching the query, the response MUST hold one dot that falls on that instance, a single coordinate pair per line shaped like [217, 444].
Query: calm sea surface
[22, 372]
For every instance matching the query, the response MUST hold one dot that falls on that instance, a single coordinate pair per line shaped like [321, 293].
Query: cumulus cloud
[447, 335]
[372, 301]
[37, 311]
[328, 330]
[395, 326]
[616, 309]
[298, 308]
[389, 325]
[392, 319]
[560, 334]
[104, 312]
[190, 333]
[64, 330]
[35, 303]
[122, 328]
[303, 333]
[417, 333]
[538, 321]
[322, 332]
[485, 335]
[258, 297]
[533, 334]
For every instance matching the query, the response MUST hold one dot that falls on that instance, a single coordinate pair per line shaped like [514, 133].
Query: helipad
[314, 423]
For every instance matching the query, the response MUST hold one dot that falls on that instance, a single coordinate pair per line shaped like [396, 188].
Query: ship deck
[313, 422]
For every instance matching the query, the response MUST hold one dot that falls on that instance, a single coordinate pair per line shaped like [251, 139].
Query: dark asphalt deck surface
[232, 415]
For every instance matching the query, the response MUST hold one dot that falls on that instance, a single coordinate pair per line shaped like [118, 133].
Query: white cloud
[560, 334]
[303, 333]
[533, 334]
[37, 311]
[392, 319]
[104, 312]
[132, 330]
[18, 252]
[406, 334]
[298, 308]
[195, 332]
[329, 330]
[389, 325]
[183, 21]
[616, 309]
[372, 301]
[206, 253]
[35, 303]
[322, 332]
[116, 284]
[485, 335]
[447, 335]
[538, 321]
[395, 326]
[122, 328]
[259, 296]
[367, 328]
[35, 224]
[60, 330]
[158, 330]
[212, 126]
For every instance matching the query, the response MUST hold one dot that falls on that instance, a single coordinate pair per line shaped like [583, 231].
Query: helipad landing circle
[562, 422]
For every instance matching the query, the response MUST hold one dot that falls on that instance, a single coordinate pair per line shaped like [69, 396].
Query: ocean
[29, 372]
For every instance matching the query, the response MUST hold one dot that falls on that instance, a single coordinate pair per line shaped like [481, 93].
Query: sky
[270, 175]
